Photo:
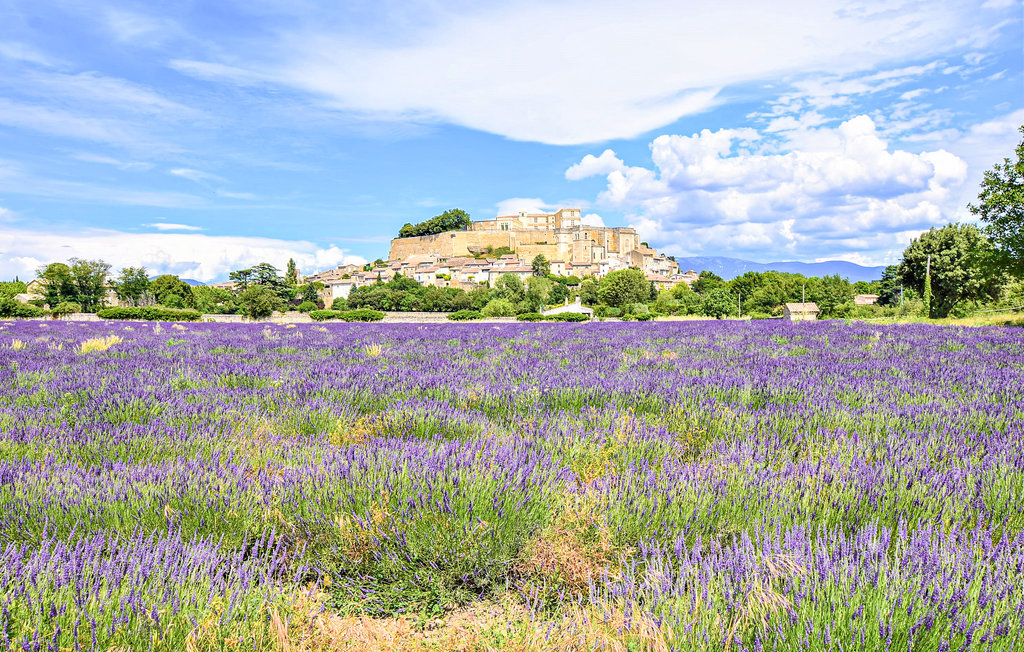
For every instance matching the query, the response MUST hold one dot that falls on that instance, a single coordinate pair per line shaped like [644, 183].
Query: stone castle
[559, 236]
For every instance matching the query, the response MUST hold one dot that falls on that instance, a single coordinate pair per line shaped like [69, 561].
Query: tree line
[455, 219]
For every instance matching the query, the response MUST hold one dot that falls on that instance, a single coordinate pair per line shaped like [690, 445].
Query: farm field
[620, 486]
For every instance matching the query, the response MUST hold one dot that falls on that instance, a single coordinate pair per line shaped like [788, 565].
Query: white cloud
[592, 219]
[199, 256]
[592, 165]
[86, 157]
[831, 192]
[196, 175]
[169, 226]
[590, 70]
[15, 181]
[26, 53]
[513, 205]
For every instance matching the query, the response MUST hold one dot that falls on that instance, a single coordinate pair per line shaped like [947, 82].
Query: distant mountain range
[730, 268]
[192, 281]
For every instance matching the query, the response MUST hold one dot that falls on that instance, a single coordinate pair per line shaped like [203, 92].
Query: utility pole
[803, 301]
[739, 305]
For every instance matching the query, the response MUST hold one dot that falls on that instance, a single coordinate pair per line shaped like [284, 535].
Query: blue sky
[197, 138]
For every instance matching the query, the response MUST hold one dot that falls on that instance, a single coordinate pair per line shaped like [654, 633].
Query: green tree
[890, 287]
[718, 302]
[623, 287]
[132, 285]
[310, 292]
[1001, 207]
[961, 267]
[455, 219]
[510, 286]
[291, 275]
[259, 301]
[171, 291]
[540, 265]
[707, 281]
[58, 284]
[90, 277]
[589, 292]
[499, 308]
[214, 301]
[558, 294]
[12, 288]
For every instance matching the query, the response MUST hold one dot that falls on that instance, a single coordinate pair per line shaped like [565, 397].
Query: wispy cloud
[193, 255]
[196, 175]
[169, 226]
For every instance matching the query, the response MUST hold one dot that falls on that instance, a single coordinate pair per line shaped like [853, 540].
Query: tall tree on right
[961, 268]
[1001, 207]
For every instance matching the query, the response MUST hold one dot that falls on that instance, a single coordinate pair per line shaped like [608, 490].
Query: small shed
[801, 311]
[576, 307]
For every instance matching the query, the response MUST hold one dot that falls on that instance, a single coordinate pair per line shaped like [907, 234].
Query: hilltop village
[484, 250]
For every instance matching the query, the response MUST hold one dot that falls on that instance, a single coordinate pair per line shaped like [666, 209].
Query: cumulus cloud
[842, 190]
[592, 219]
[550, 80]
[592, 165]
[513, 205]
[191, 255]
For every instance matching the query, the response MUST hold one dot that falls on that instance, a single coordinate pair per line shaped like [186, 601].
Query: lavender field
[626, 486]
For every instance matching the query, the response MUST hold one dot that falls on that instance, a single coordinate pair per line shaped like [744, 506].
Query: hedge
[363, 314]
[149, 313]
[466, 315]
[23, 310]
[567, 316]
[530, 316]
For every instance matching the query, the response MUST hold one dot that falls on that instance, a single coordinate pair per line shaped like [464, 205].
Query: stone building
[800, 311]
[559, 236]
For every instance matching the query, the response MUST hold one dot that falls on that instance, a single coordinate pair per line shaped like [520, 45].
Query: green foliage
[83, 281]
[11, 308]
[499, 308]
[132, 285]
[718, 302]
[455, 219]
[706, 282]
[567, 317]
[1001, 207]
[259, 301]
[306, 306]
[510, 287]
[540, 265]
[623, 287]
[149, 313]
[324, 315]
[12, 288]
[530, 316]
[291, 274]
[214, 301]
[362, 314]
[960, 267]
[171, 291]
[339, 304]
[558, 294]
[465, 315]
[65, 308]
[310, 292]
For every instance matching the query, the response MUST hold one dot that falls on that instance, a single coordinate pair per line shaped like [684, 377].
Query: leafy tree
[558, 294]
[132, 286]
[890, 286]
[291, 275]
[310, 292]
[510, 286]
[1001, 207]
[214, 301]
[960, 269]
[171, 291]
[455, 219]
[717, 302]
[499, 308]
[589, 292]
[266, 275]
[12, 288]
[59, 284]
[241, 277]
[624, 286]
[90, 277]
[339, 304]
[707, 281]
[259, 301]
[833, 295]
[540, 265]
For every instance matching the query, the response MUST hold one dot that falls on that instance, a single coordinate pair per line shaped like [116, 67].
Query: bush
[339, 304]
[567, 316]
[647, 316]
[324, 315]
[306, 306]
[363, 314]
[530, 316]
[149, 313]
[65, 308]
[11, 308]
[498, 308]
[466, 315]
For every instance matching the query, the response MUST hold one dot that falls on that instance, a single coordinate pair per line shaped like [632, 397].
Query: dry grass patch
[97, 344]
